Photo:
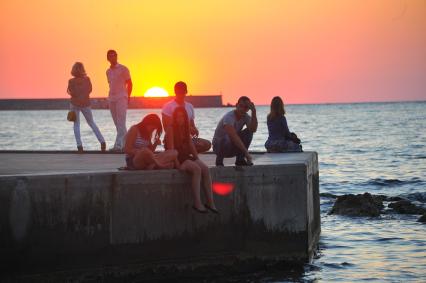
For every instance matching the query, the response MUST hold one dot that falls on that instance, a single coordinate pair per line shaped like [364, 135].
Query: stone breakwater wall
[83, 220]
[102, 103]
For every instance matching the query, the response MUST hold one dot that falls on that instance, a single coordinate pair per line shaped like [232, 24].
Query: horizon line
[227, 104]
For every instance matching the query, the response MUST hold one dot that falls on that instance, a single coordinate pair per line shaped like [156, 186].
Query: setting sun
[156, 92]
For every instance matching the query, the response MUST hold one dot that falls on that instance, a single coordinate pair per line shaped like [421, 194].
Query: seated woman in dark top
[140, 149]
[280, 139]
[190, 163]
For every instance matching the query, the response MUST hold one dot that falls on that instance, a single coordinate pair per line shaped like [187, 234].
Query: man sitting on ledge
[201, 145]
[230, 139]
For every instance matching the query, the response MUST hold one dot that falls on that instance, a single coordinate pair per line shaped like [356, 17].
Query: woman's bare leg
[166, 159]
[207, 183]
[143, 158]
[194, 170]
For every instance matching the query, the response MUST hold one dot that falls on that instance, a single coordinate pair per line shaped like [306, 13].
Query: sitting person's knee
[172, 152]
[202, 145]
[204, 168]
[196, 169]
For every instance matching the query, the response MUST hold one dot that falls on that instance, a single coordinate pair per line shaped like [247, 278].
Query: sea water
[367, 147]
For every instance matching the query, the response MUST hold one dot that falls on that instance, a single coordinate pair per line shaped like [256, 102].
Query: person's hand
[249, 158]
[251, 106]
[194, 132]
[294, 138]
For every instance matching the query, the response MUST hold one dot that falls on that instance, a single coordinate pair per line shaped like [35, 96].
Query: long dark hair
[153, 120]
[277, 108]
[180, 133]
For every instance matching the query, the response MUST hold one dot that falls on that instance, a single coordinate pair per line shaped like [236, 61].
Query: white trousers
[118, 111]
[87, 113]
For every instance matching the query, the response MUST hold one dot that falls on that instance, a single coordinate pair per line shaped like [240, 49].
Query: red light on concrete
[223, 189]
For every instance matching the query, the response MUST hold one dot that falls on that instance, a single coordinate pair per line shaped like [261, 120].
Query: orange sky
[305, 51]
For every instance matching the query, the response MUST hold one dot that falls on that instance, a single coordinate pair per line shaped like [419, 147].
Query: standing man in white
[120, 89]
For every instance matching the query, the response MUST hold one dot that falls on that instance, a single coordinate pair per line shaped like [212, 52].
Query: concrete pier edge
[102, 220]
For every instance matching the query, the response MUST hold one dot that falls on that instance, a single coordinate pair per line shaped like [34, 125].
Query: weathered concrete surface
[71, 219]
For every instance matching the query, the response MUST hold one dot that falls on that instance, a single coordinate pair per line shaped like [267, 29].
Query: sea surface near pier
[367, 147]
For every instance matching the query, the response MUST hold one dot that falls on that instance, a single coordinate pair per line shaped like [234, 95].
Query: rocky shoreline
[369, 205]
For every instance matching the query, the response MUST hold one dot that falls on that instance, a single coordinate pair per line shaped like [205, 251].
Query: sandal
[214, 210]
[199, 210]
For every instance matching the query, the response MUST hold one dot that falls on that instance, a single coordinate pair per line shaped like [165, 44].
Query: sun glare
[156, 92]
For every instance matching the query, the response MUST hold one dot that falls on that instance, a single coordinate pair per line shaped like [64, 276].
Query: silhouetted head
[148, 125]
[243, 105]
[180, 90]
[112, 57]
[180, 127]
[78, 70]
[277, 108]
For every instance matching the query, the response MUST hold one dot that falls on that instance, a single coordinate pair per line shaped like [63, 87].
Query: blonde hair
[78, 70]
[277, 108]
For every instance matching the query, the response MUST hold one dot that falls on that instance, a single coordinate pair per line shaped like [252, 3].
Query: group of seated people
[182, 143]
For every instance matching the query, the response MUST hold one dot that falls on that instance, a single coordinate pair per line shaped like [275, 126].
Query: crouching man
[230, 139]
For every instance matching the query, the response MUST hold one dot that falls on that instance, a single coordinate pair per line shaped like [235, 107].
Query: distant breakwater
[102, 103]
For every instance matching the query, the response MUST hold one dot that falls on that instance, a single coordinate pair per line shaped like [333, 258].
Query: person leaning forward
[230, 139]
[201, 145]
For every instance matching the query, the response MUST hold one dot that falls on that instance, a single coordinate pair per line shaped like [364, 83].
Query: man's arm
[167, 124]
[236, 140]
[253, 123]
[129, 86]
[192, 129]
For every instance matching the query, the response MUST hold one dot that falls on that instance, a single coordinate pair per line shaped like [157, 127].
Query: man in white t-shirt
[201, 145]
[120, 89]
[230, 139]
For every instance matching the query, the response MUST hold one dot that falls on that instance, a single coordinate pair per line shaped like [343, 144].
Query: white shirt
[230, 118]
[170, 107]
[117, 78]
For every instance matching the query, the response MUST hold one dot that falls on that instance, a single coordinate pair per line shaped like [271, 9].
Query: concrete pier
[77, 211]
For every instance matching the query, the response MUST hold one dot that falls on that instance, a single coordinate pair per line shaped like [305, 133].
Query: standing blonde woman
[80, 87]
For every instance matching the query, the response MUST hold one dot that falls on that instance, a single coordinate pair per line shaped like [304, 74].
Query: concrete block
[87, 220]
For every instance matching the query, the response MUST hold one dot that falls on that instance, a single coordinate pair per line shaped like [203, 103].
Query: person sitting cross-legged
[280, 139]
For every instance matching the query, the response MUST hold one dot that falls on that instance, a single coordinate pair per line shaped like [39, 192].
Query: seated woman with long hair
[140, 149]
[280, 138]
[190, 163]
